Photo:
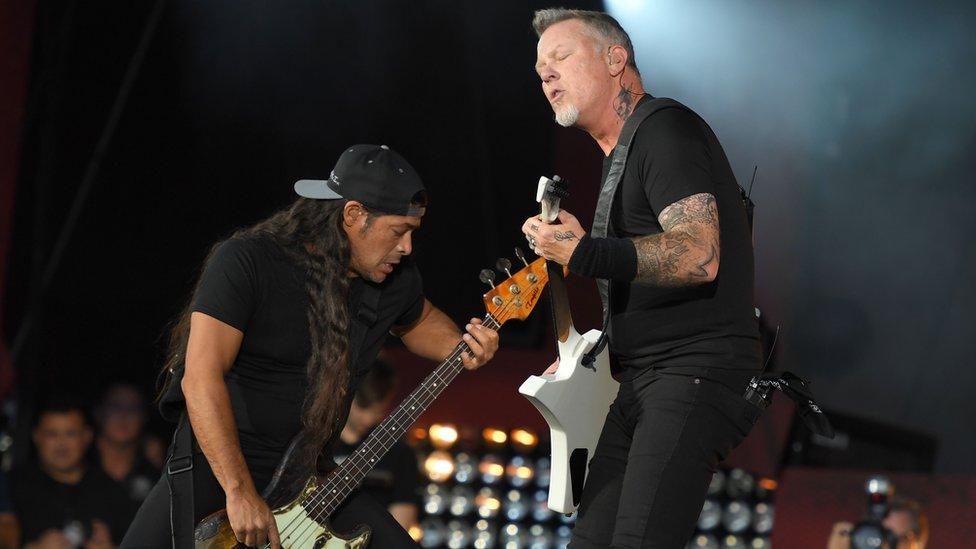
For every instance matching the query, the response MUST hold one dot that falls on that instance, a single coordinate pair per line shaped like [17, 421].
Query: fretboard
[351, 472]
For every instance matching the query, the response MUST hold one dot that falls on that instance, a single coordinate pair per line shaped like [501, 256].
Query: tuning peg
[488, 277]
[519, 254]
[504, 265]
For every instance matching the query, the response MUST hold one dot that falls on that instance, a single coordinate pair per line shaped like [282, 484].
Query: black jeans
[150, 528]
[662, 440]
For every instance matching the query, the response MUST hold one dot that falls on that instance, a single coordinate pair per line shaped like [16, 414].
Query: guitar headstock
[548, 195]
[516, 296]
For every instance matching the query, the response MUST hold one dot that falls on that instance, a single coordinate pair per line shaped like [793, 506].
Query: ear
[617, 59]
[352, 213]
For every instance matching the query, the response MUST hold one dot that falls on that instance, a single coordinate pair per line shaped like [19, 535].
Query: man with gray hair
[671, 251]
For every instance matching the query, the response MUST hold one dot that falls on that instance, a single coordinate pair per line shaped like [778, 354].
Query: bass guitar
[303, 501]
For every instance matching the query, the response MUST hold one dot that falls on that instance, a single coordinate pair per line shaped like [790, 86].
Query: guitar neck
[351, 472]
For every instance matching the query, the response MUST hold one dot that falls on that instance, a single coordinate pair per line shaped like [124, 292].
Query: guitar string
[426, 393]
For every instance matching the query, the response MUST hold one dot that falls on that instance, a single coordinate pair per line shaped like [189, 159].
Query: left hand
[555, 242]
[483, 343]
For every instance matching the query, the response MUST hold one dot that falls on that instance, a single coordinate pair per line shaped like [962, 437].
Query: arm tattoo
[568, 235]
[687, 252]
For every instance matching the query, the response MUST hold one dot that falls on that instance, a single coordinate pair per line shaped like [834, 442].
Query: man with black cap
[286, 319]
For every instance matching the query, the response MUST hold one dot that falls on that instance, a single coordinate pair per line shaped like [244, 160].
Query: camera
[870, 533]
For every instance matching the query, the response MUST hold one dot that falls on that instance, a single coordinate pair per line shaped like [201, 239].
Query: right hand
[251, 519]
[552, 367]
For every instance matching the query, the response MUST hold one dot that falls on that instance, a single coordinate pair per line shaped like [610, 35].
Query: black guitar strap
[601, 218]
[179, 477]
[179, 466]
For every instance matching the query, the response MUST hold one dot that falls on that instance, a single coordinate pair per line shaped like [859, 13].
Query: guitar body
[288, 494]
[574, 402]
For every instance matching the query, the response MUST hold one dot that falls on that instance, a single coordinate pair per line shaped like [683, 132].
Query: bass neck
[349, 474]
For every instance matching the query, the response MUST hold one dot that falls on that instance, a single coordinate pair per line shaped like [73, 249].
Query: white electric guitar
[575, 399]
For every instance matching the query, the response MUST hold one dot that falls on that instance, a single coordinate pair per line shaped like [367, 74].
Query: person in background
[119, 449]
[394, 480]
[905, 519]
[59, 500]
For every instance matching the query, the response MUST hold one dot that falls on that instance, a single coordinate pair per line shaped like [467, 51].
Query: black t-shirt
[713, 326]
[254, 286]
[138, 482]
[395, 479]
[42, 503]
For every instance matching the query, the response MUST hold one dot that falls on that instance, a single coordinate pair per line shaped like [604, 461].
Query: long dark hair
[311, 234]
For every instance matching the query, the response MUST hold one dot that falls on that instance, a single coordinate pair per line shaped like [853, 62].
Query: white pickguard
[574, 401]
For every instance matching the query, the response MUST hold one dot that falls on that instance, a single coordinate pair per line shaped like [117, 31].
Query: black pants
[662, 440]
[150, 528]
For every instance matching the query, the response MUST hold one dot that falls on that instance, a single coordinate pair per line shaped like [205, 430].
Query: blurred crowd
[92, 466]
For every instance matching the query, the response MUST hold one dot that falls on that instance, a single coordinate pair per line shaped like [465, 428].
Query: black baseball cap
[376, 176]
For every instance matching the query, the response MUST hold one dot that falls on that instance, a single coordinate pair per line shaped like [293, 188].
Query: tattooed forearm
[687, 252]
[568, 235]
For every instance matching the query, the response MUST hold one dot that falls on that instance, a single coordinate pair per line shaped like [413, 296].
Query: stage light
[519, 471]
[439, 466]
[494, 438]
[765, 488]
[711, 515]
[761, 543]
[703, 541]
[739, 484]
[717, 484]
[459, 534]
[512, 536]
[733, 542]
[435, 499]
[542, 469]
[568, 519]
[491, 468]
[540, 537]
[516, 506]
[415, 532]
[442, 436]
[563, 535]
[417, 436]
[435, 533]
[465, 469]
[737, 517]
[762, 518]
[485, 534]
[540, 506]
[488, 502]
[524, 440]
[462, 501]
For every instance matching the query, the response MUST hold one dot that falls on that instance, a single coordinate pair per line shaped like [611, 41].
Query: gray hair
[603, 28]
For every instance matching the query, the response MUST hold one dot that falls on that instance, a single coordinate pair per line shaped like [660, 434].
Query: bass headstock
[517, 295]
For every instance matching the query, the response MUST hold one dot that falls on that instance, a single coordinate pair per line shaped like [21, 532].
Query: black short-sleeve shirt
[675, 155]
[253, 285]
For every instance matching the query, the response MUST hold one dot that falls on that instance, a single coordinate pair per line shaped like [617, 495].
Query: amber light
[442, 436]
[524, 439]
[494, 437]
[768, 484]
[439, 466]
[416, 532]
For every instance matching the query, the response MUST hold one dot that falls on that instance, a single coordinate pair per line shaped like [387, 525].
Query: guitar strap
[179, 478]
[601, 218]
[179, 466]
